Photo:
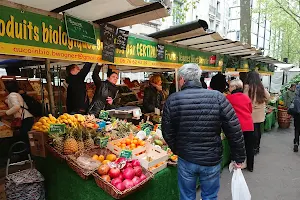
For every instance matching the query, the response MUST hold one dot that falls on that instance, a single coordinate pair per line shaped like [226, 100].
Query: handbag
[17, 122]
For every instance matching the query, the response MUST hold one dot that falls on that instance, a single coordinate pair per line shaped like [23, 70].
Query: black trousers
[297, 128]
[27, 124]
[249, 145]
[257, 136]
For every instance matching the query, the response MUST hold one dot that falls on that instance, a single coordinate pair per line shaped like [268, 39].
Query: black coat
[103, 90]
[192, 121]
[152, 99]
[76, 93]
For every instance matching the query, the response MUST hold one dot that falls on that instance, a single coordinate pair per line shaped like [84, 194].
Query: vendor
[290, 95]
[77, 100]
[153, 95]
[106, 91]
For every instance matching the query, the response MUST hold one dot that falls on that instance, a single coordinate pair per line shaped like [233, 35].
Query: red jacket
[243, 108]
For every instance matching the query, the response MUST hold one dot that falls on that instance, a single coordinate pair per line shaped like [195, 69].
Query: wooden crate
[117, 150]
[157, 155]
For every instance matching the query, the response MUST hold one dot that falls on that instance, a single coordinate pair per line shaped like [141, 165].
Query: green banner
[34, 35]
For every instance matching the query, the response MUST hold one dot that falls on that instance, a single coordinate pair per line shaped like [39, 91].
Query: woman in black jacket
[77, 100]
[106, 91]
[153, 95]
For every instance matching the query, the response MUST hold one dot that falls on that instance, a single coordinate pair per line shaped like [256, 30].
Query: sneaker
[295, 148]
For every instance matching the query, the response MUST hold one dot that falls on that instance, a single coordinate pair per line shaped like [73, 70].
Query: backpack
[34, 107]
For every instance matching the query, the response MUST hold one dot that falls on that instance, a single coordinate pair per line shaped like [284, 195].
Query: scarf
[158, 87]
[237, 91]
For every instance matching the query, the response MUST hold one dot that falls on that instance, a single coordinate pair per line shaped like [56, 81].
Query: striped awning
[117, 12]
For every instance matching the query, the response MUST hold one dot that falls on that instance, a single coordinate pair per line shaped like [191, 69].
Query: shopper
[204, 85]
[289, 95]
[106, 91]
[153, 95]
[19, 109]
[296, 115]
[218, 82]
[243, 109]
[77, 99]
[191, 124]
[259, 96]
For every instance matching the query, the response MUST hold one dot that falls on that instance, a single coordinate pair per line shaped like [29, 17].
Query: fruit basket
[82, 172]
[54, 152]
[117, 194]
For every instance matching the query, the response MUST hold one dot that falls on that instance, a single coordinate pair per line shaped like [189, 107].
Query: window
[217, 27]
[211, 24]
[218, 6]
[238, 36]
[177, 12]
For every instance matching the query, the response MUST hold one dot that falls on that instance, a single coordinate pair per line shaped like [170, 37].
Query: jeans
[209, 177]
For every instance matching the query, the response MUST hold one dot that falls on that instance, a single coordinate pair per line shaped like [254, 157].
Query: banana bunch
[70, 120]
[43, 124]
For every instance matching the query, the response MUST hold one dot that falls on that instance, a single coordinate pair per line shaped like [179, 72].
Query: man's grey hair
[237, 83]
[190, 72]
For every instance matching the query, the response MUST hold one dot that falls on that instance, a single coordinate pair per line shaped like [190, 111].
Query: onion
[135, 163]
[106, 178]
[128, 173]
[114, 172]
[103, 169]
[128, 183]
[136, 180]
[115, 181]
[121, 176]
[128, 164]
[120, 186]
[142, 177]
[138, 170]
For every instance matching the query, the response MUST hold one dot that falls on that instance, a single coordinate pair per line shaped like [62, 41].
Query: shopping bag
[239, 188]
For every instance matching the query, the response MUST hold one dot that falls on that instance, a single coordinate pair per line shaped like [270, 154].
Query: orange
[111, 157]
[95, 157]
[101, 158]
[133, 146]
[123, 141]
[106, 162]
[128, 141]
[136, 138]
[118, 144]
[138, 146]
[142, 143]
[134, 141]
[123, 146]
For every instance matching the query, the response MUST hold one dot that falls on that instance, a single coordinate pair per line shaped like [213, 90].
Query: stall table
[270, 121]
[62, 183]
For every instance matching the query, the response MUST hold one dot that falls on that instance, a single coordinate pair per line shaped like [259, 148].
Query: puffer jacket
[104, 89]
[192, 121]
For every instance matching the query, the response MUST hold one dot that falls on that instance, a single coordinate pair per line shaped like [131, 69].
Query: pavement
[276, 174]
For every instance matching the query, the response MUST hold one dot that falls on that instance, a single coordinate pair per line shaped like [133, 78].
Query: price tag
[126, 154]
[103, 115]
[57, 129]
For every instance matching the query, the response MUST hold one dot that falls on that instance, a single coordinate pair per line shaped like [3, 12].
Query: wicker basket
[84, 173]
[55, 153]
[284, 119]
[117, 194]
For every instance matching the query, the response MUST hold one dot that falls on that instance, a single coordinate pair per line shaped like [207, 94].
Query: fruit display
[71, 120]
[125, 177]
[129, 143]
[156, 166]
[43, 124]
[70, 144]
[121, 129]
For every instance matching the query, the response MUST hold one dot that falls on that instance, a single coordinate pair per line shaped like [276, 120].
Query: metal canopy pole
[176, 80]
[50, 89]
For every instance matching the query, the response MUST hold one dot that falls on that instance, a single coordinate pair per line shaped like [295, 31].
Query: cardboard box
[5, 129]
[157, 156]
[37, 141]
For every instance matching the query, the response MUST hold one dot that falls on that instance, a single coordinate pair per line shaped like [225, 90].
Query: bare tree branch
[292, 12]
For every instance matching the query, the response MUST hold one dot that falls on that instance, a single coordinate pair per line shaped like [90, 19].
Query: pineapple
[58, 142]
[89, 142]
[70, 145]
[80, 139]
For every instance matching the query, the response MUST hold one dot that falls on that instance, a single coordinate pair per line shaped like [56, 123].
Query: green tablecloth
[64, 184]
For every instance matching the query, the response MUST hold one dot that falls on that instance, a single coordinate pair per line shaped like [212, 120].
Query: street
[276, 173]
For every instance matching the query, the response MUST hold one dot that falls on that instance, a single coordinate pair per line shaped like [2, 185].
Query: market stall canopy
[117, 12]
[194, 35]
[133, 69]
[263, 59]
[285, 67]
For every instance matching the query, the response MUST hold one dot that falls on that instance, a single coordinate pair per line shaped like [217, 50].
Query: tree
[285, 20]
[181, 7]
[245, 22]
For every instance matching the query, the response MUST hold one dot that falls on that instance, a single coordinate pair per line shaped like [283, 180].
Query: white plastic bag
[239, 188]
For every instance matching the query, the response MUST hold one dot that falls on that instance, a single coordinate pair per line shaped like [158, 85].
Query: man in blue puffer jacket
[191, 125]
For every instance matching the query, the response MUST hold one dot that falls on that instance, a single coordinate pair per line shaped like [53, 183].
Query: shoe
[250, 169]
[295, 148]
